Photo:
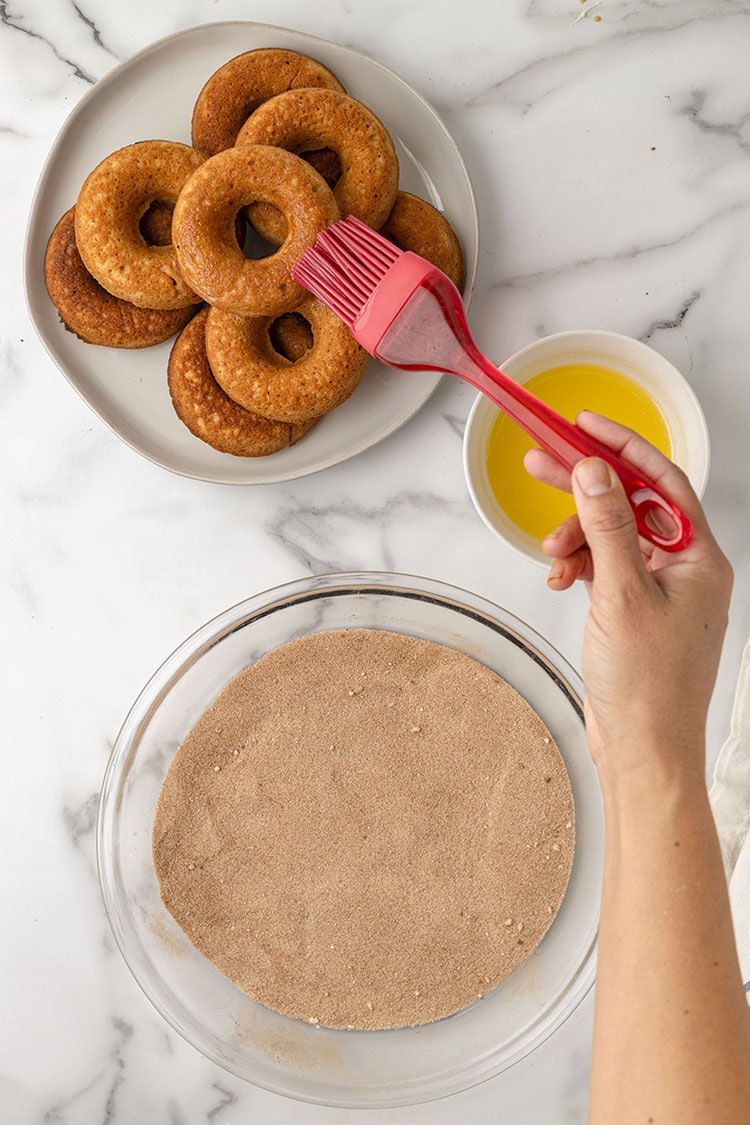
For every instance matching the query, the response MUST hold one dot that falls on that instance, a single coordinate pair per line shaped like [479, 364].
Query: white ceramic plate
[152, 96]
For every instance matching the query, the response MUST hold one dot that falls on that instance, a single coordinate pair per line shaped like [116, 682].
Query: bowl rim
[124, 749]
[483, 409]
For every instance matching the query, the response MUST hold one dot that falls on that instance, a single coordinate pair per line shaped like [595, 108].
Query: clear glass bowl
[344, 1068]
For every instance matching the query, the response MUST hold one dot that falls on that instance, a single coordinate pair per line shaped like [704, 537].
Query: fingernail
[554, 534]
[556, 571]
[593, 476]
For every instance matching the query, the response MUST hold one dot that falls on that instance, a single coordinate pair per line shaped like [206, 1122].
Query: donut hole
[291, 335]
[155, 223]
[267, 221]
[253, 244]
[326, 162]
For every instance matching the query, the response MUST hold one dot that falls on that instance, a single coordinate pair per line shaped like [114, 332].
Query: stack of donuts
[160, 237]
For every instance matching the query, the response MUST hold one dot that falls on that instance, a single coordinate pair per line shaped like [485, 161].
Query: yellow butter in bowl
[585, 369]
[569, 387]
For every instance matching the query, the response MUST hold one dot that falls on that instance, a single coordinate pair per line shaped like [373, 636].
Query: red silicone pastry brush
[408, 314]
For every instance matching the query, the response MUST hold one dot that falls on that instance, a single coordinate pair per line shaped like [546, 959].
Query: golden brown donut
[238, 87]
[92, 313]
[110, 205]
[246, 365]
[203, 227]
[310, 120]
[209, 413]
[415, 225]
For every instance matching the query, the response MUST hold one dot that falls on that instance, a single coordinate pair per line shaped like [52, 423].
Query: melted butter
[537, 508]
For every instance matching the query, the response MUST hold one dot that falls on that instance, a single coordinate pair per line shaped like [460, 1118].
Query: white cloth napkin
[730, 801]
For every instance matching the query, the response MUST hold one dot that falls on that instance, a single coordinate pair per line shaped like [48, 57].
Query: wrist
[660, 773]
[647, 810]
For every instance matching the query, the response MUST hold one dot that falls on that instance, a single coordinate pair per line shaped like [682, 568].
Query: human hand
[656, 624]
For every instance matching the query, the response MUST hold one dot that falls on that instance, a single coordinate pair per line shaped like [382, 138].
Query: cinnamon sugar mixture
[365, 830]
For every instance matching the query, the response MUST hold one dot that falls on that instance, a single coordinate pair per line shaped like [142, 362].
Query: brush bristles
[345, 266]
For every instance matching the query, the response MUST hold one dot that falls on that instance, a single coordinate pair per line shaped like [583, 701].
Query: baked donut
[246, 365]
[310, 120]
[238, 87]
[203, 227]
[415, 225]
[209, 413]
[89, 311]
[110, 204]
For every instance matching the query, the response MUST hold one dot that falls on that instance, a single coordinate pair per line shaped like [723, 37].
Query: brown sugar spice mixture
[365, 830]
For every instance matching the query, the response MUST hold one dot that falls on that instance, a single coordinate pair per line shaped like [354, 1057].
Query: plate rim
[33, 243]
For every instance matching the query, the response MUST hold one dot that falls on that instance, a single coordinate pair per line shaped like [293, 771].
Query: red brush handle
[568, 443]
[430, 332]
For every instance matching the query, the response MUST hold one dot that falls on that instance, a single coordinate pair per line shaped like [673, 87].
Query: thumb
[606, 519]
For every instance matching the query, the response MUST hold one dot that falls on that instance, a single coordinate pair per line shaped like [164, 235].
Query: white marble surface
[611, 160]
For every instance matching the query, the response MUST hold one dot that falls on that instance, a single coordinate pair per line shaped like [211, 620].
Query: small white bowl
[663, 382]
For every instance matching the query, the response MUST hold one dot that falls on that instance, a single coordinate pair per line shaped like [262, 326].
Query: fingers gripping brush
[409, 315]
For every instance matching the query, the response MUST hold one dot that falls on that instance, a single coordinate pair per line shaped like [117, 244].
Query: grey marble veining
[610, 160]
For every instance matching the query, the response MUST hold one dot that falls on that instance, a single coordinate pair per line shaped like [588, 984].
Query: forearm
[672, 1030]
